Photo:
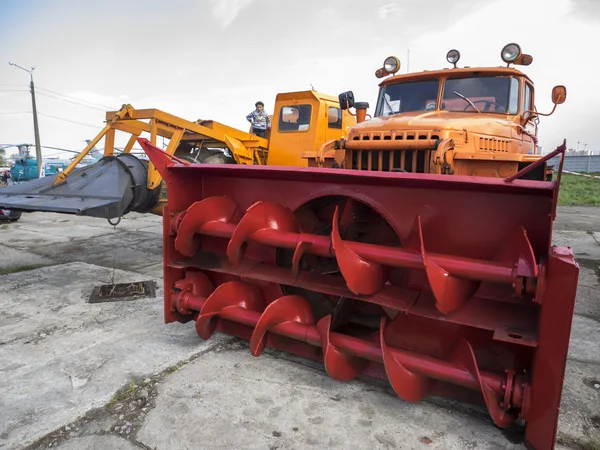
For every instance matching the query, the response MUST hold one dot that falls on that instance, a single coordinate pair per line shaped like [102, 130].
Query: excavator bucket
[442, 285]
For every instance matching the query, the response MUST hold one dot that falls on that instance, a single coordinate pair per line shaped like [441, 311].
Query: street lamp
[38, 149]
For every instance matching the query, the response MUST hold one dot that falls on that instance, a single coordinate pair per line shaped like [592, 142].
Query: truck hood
[437, 120]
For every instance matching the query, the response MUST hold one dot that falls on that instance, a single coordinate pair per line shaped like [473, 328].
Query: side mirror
[346, 100]
[559, 95]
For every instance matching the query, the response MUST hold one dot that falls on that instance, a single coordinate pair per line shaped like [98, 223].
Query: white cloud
[227, 10]
[389, 11]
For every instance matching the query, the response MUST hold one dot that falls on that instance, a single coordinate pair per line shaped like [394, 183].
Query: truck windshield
[406, 97]
[491, 94]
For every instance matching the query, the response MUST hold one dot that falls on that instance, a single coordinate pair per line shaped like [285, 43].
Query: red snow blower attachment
[443, 285]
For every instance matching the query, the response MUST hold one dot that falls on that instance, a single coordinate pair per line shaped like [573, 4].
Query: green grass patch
[123, 394]
[21, 268]
[576, 190]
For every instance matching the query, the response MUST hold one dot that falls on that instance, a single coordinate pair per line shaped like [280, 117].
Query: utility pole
[38, 148]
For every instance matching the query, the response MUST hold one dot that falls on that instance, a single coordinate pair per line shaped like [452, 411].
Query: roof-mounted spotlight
[391, 65]
[453, 56]
[525, 60]
[510, 53]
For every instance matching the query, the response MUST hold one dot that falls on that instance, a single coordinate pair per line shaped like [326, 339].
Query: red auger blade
[339, 366]
[414, 241]
[290, 308]
[517, 252]
[262, 216]
[463, 356]
[298, 253]
[450, 292]
[409, 386]
[195, 283]
[362, 277]
[228, 297]
[212, 209]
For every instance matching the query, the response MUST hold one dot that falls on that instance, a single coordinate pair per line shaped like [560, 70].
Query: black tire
[204, 156]
[12, 217]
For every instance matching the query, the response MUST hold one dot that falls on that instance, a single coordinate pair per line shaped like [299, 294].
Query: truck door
[530, 125]
[334, 123]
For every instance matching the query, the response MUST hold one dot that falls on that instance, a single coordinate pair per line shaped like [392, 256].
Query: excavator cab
[302, 121]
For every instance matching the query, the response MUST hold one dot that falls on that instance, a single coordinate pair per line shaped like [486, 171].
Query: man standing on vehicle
[259, 119]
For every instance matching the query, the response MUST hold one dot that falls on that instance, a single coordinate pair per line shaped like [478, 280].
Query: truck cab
[304, 120]
[456, 121]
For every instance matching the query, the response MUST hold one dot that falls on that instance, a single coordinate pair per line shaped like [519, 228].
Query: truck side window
[527, 103]
[513, 101]
[295, 118]
[334, 118]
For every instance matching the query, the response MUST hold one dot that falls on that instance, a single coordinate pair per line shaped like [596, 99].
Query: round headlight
[510, 53]
[453, 56]
[391, 64]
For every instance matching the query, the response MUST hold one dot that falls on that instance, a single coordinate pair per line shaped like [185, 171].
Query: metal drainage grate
[123, 292]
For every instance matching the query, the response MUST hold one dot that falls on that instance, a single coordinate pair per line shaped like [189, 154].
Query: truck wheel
[206, 156]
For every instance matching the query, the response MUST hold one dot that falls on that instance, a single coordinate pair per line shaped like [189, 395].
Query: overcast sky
[212, 59]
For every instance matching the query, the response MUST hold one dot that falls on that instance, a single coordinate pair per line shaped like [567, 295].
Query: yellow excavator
[121, 182]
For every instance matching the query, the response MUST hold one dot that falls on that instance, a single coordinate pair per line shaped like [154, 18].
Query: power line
[61, 149]
[71, 101]
[15, 112]
[77, 99]
[69, 120]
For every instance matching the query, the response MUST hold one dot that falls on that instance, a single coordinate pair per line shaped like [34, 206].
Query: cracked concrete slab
[580, 407]
[135, 245]
[585, 341]
[98, 443]
[61, 356]
[270, 403]
[24, 233]
[577, 218]
[132, 251]
[14, 258]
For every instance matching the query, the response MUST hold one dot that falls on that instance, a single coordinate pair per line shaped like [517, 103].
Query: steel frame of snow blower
[475, 303]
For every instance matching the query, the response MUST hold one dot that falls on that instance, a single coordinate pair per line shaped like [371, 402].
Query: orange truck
[455, 121]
